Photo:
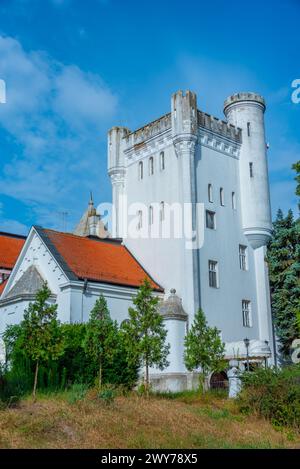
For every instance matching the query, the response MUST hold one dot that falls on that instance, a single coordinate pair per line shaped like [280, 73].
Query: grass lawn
[185, 420]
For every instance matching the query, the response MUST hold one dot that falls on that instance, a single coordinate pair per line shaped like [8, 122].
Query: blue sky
[74, 68]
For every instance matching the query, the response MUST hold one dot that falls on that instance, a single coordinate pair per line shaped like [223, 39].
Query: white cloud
[58, 114]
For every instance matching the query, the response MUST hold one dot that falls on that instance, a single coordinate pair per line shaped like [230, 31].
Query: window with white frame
[222, 196]
[162, 160]
[213, 273]
[151, 166]
[210, 193]
[243, 257]
[233, 200]
[210, 220]
[246, 310]
[141, 170]
[140, 219]
[150, 215]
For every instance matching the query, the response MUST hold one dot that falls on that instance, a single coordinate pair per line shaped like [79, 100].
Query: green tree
[101, 336]
[296, 167]
[40, 332]
[145, 334]
[284, 272]
[204, 348]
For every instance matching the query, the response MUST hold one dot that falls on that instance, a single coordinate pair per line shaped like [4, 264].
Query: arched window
[162, 160]
[151, 166]
[222, 196]
[141, 170]
[210, 193]
[233, 201]
[150, 215]
[162, 211]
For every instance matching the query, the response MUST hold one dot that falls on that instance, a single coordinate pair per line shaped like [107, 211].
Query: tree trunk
[35, 380]
[100, 374]
[147, 378]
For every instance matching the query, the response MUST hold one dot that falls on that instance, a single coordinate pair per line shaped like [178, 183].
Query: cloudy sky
[74, 68]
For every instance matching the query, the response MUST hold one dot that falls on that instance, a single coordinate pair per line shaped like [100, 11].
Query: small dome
[171, 308]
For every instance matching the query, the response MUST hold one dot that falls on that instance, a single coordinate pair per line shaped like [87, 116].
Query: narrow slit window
[222, 196]
[162, 160]
[141, 170]
[162, 211]
[210, 193]
[248, 129]
[140, 219]
[251, 169]
[150, 215]
[151, 166]
[233, 200]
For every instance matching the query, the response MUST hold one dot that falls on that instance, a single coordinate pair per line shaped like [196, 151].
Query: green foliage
[296, 167]
[40, 332]
[73, 367]
[101, 337]
[144, 333]
[107, 394]
[203, 348]
[273, 394]
[77, 392]
[284, 270]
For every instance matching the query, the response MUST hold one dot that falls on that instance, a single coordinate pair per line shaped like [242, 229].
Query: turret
[116, 171]
[246, 110]
[184, 113]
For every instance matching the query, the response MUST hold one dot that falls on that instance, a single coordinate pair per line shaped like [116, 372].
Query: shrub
[77, 392]
[107, 394]
[273, 394]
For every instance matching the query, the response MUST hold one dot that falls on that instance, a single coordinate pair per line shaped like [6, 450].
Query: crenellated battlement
[244, 96]
[150, 130]
[219, 126]
[164, 123]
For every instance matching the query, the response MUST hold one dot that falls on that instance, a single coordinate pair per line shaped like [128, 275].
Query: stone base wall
[174, 382]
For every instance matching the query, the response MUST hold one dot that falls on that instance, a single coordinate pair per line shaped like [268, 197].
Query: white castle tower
[189, 159]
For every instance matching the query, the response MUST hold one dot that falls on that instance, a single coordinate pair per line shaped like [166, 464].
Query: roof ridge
[12, 235]
[90, 238]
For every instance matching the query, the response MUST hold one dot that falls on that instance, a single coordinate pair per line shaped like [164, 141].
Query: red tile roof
[10, 248]
[97, 260]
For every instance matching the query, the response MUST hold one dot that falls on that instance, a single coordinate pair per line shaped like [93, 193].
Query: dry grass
[136, 422]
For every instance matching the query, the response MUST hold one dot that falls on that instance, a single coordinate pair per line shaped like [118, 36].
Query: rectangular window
[210, 220]
[251, 169]
[213, 273]
[243, 257]
[246, 310]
